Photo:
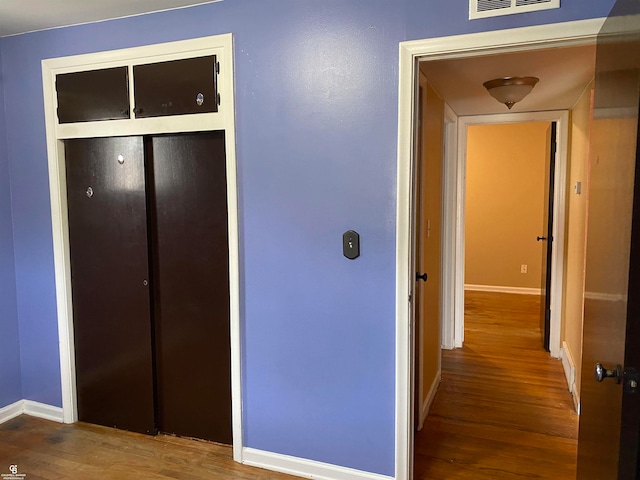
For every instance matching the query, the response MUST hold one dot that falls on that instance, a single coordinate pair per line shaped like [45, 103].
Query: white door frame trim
[561, 117]
[222, 47]
[512, 40]
[449, 232]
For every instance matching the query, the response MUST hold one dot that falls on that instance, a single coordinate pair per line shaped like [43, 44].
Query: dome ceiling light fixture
[510, 90]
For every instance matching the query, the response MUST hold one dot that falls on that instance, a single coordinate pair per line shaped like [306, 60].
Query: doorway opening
[509, 179]
[503, 367]
[509, 187]
[520, 43]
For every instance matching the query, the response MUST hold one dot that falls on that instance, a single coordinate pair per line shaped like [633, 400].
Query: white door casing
[223, 119]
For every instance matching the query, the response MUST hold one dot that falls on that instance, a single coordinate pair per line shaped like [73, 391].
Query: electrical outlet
[523, 269]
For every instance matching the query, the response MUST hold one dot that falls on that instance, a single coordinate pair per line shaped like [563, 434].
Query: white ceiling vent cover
[494, 8]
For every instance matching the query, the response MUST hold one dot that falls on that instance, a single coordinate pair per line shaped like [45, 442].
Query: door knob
[422, 277]
[539, 239]
[601, 373]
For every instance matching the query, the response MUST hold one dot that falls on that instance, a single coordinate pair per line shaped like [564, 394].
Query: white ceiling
[564, 73]
[21, 16]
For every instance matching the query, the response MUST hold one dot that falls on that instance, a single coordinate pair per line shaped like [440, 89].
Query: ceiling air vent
[493, 8]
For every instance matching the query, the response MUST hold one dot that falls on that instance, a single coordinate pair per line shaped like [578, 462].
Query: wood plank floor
[503, 410]
[46, 450]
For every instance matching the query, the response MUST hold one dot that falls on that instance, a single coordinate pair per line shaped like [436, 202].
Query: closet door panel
[191, 288]
[109, 269]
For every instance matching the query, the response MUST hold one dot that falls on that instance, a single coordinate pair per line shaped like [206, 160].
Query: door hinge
[217, 68]
[410, 298]
[218, 98]
[631, 379]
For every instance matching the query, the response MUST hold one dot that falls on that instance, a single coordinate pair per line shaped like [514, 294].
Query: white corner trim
[304, 468]
[583, 32]
[428, 401]
[29, 407]
[222, 47]
[502, 289]
[11, 411]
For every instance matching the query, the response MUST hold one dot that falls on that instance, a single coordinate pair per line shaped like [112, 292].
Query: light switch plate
[351, 244]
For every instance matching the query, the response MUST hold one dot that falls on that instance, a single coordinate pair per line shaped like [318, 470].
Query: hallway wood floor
[503, 410]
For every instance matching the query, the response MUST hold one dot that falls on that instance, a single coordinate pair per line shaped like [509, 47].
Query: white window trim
[223, 119]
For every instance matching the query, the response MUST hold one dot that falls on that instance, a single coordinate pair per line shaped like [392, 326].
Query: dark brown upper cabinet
[176, 87]
[93, 95]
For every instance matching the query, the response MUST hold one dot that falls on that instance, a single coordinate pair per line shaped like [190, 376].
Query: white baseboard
[426, 405]
[569, 367]
[42, 410]
[29, 407]
[576, 401]
[502, 289]
[304, 468]
[11, 411]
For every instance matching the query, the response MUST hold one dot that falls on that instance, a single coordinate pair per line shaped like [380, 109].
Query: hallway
[503, 410]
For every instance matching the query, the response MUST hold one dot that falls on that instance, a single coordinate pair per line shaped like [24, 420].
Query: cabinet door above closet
[176, 87]
[93, 95]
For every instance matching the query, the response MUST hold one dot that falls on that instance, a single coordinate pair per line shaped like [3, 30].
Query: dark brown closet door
[109, 269]
[191, 288]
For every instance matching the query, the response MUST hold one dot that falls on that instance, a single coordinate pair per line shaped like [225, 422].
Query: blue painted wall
[316, 86]
[10, 378]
